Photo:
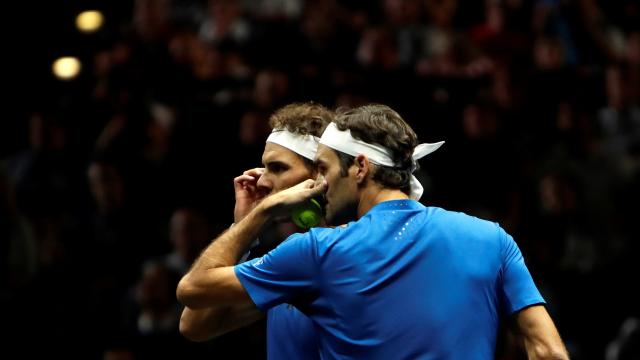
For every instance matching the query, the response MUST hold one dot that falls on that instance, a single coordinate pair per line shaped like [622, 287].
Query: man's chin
[288, 227]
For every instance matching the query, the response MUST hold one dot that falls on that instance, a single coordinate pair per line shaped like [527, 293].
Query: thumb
[310, 188]
[306, 189]
[319, 186]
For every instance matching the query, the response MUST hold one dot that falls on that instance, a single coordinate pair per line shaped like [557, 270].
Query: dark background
[111, 182]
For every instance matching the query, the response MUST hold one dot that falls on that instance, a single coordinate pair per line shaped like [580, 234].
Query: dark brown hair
[381, 125]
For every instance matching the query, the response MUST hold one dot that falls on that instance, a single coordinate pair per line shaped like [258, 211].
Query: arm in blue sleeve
[518, 287]
[286, 272]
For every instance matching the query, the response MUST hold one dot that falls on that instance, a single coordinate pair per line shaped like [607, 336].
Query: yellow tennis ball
[307, 215]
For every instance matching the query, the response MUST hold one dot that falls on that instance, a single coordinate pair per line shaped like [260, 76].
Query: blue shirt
[290, 334]
[403, 282]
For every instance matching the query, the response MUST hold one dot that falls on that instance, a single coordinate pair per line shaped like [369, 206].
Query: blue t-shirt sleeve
[282, 274]
[518, 288]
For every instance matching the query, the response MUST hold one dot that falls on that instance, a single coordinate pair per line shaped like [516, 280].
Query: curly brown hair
[379, 124]
[302, 118]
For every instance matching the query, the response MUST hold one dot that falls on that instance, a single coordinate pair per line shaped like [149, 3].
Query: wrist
[266, 208]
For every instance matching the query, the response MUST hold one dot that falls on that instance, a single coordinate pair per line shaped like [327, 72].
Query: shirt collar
[401, 204]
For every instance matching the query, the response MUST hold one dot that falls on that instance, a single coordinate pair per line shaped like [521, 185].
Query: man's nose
[264, 184]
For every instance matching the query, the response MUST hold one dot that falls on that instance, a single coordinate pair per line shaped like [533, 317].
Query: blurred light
[89, 21]
[66, 68]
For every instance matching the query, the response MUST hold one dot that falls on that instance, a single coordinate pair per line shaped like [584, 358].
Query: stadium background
[110, 182]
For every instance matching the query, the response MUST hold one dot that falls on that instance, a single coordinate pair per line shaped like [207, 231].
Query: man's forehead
[275, 152]
[324, 153]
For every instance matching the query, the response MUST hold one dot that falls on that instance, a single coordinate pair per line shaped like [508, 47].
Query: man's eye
[276, 168]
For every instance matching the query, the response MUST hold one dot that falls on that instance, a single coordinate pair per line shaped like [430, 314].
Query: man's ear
[363, 168]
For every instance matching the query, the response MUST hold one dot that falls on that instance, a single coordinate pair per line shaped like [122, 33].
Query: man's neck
[373, 195]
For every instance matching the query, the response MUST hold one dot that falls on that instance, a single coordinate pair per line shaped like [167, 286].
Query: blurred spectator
[40, 182]
[116, 239]
[225, 24]
[189, 234]
[271, 89]
[154, 310]
[539, 102]
[151, 315]
[274, 10]
[627, 344]
[151, 19]
[378, 50]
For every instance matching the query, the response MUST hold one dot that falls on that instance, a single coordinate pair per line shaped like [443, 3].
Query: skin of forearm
[539, 335]
[548, 348]
[229, 247]
[206, 324]
[200, 324]
[536, 351]
[195, 288]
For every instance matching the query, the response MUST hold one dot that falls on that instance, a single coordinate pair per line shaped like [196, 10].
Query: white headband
[344, 142]
[305, 145]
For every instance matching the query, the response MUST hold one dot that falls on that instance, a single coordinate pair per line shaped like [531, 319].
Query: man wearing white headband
[399, 280]
[288, 159]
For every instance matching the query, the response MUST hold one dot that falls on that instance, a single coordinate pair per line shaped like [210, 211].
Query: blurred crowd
[112, 183]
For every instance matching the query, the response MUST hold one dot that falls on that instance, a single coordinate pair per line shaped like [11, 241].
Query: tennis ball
[307, 215]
